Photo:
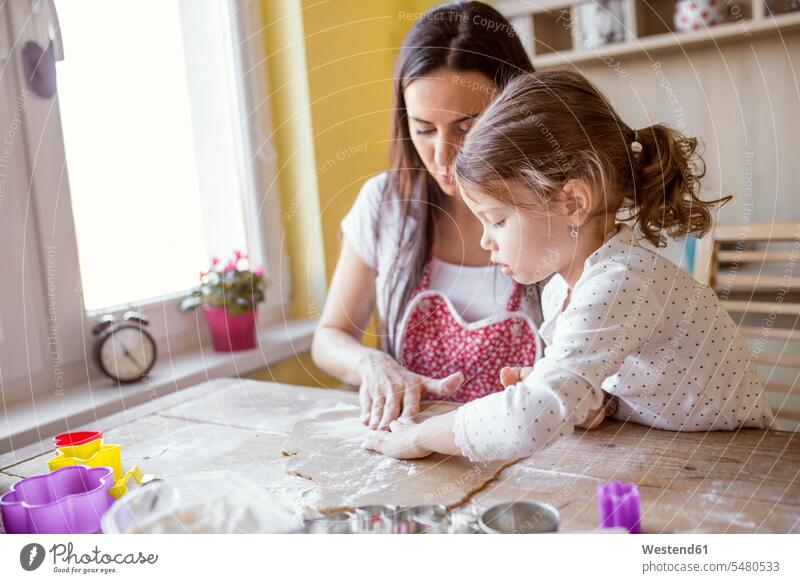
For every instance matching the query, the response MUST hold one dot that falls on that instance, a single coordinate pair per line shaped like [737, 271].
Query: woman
[449, 318]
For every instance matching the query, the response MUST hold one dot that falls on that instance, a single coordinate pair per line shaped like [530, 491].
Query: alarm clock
[124, 350]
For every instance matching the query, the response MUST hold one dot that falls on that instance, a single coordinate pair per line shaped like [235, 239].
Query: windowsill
[26, 424]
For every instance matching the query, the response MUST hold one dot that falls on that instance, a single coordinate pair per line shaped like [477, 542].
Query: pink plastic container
[231, 333]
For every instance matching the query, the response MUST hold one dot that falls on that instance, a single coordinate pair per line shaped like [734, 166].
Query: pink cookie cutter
[70, 500]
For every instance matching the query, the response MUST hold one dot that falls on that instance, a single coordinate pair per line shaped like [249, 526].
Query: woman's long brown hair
[464, 37]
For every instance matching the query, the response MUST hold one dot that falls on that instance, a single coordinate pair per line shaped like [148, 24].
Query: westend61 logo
[65, 560]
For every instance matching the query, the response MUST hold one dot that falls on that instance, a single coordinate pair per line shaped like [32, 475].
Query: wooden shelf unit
[549, 30]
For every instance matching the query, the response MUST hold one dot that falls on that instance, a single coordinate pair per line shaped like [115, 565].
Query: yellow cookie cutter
[97, 454]
[83, 451]
[120, 487]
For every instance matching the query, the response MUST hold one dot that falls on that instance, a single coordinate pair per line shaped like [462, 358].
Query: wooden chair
[755, 270]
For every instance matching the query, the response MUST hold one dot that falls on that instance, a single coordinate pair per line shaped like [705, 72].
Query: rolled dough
[327, 451]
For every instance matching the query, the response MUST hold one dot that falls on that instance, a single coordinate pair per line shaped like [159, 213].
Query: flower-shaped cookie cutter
[97, 454]
[93, 454]
[70, 500]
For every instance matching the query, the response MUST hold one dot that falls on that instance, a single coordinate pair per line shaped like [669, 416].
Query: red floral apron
[435, 341]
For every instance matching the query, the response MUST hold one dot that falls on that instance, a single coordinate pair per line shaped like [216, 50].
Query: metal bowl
[519, 518]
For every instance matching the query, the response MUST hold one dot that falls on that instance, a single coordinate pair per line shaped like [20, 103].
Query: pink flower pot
[231, 333]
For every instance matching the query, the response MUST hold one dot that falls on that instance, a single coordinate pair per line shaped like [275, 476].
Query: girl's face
[441, 107]
[530, 246]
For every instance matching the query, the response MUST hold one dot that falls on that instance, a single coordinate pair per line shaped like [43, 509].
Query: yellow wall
[351, 46]
[292, 137]
[330, 67]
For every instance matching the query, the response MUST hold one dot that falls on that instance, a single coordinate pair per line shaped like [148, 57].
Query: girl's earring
[573, 232]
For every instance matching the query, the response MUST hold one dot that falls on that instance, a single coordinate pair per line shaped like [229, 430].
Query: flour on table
[326, 450]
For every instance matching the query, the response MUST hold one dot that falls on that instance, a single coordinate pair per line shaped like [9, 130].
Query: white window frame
[69, 352]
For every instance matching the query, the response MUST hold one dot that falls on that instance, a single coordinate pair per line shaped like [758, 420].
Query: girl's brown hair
[461, 36]
[545, 129]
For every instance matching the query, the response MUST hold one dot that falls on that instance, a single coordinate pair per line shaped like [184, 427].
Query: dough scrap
[327, 451]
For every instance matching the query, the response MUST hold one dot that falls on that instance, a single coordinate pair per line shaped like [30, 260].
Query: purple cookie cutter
[70, 500]
[618, 505]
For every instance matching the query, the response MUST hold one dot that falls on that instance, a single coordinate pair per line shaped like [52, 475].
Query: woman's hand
[389, 389]
[400, 442]
[511, 375]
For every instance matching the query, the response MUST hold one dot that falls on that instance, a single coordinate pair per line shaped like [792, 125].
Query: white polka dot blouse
[638, 327]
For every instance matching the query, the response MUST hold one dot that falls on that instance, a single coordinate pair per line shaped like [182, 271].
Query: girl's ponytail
[666, 183]
[547, 128]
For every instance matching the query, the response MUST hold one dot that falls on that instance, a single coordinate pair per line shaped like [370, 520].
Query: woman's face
[442, 106]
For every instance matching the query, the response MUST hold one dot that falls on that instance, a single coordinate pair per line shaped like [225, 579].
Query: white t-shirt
[638, 327]
[475, 292]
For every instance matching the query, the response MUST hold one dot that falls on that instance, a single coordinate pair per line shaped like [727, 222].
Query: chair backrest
[755, 270]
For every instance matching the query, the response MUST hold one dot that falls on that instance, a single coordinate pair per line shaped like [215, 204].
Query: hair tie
[636, 146]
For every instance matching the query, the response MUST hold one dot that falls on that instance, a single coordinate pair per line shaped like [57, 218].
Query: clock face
[127, 353]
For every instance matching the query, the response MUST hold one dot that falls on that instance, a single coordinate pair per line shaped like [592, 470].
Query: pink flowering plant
[230, 285]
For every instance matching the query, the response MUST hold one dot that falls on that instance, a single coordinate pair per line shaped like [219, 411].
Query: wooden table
[722, 482]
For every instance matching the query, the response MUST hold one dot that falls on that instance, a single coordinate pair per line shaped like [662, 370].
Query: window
[115, 192]
[149, 113]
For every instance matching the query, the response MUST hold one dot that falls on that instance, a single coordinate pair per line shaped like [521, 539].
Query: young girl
[547, 169]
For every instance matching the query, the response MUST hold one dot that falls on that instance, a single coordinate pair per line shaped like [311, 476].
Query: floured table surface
[738, 481]
[326, 451]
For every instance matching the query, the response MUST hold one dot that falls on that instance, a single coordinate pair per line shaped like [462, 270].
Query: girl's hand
[389, 389]
[400, 442]
[596, 417]
[511, 375]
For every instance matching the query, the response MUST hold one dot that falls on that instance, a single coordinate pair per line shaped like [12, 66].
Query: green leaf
[239, 290]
